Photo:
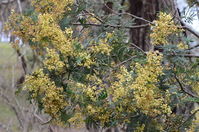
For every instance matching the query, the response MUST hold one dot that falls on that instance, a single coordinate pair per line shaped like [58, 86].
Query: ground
[9, 70]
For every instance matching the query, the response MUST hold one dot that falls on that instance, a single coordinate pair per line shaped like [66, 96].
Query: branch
[137, 47]
[129, 14]
[125, 61]
[182, 87]
[41, 120]
[190, 29]
[47, 121]
[114, 26]
[184, 55]
[19, 5]
[193, 47]
[93, 15]
[191, 116]
[23, 61]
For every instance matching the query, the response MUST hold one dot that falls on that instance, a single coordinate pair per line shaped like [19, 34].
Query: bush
[93, 75]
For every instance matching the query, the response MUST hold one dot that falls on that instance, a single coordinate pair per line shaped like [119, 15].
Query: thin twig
[125, 61]
[184, 55]
[40, 119]
[190, 30]
[114, 26]
[134, 45]
[23, 61]
[93, 15]
[129, 14]
[193, 47]
[191, 116]
[182, 87]
[19, 5]
[47, 121]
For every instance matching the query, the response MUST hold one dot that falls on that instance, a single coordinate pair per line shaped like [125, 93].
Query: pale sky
[182, 4]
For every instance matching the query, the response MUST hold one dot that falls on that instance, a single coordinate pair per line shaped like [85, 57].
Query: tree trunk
[148, 10]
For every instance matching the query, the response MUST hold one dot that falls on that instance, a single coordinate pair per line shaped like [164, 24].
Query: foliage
[98, 77]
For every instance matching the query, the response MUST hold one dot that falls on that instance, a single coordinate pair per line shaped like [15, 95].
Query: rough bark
[148, 10]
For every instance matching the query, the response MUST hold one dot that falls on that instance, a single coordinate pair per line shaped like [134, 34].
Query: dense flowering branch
[99, 78]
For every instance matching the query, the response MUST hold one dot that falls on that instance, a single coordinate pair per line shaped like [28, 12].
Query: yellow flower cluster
[46, 32]
[50, 32]
[182, 46]
[148, 97]
[162, 28]
[26, 28]
[55, 7]
[94, 87]
[121, 87]
[195, 86]
[123, 90]
[86, 59]
[77, 120]
[101, 47]
[62, 41]
[101, 113]
[93, 19]
[109, 35]
[40, 85]
[140, 128]
[53, 61]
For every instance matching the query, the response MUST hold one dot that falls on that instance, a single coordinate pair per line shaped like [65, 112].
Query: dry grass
[9, 72]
